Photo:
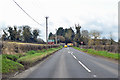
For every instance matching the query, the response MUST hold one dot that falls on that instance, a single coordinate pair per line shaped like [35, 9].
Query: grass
[9, 66]
[100, 53]
[38, 55]
[12, 63]
[0, 63]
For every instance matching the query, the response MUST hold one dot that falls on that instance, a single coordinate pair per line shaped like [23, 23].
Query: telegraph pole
[46, 29]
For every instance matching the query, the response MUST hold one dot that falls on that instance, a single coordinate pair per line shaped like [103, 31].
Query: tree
[95, 34]
[85, 36]
[14, 34]
[111, 39]
[104, 40]
[22, 33]
[69, 34]
[4, 36]
[40, 41]
[27, 35]
[18, 36]
[11, 33]
[78, 34]
[50, 35]
[61, 39]
[60, 31]
[35, 34]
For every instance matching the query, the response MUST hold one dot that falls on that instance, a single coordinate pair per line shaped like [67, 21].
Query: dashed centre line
[84, 66]
[74, 57]
[81, 63]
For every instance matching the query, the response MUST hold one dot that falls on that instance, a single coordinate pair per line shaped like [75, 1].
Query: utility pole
[46, 29]
[56, 36]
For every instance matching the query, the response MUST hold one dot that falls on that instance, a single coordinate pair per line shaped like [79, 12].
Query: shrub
[11, 57]
[31, 52]
[20, 55]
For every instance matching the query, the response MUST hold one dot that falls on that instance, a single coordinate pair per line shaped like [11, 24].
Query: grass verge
[17, 62]
[34, 56]
[100, 53]
[9, 66]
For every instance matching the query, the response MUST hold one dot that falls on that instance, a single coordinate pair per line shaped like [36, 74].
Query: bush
[20, 55]
[11, 57]
[10, 66]
[31, 52]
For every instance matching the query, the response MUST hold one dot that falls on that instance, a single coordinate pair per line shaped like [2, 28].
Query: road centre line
[72, 53]
[84, 66]
[81, 63]
[74, 57]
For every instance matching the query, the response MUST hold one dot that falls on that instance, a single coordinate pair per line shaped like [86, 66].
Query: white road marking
[84, 66]
[74, 57]
[81, 63]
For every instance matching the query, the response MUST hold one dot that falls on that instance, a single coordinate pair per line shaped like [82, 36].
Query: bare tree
[96, 35]
[111, 38]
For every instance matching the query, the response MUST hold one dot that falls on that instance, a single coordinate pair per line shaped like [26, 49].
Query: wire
[26, 12]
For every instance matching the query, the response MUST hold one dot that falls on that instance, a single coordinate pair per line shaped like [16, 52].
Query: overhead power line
[26, 12]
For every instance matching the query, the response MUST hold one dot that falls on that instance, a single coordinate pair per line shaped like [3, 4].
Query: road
[71, 63]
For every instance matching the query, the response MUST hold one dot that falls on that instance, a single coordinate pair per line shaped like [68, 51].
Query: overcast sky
[99, 15]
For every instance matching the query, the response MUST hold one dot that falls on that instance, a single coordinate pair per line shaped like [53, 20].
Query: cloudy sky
[99, 15]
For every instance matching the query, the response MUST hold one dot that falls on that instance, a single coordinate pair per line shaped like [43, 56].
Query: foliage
[10, 57]
[60, 31]
[95, 34]
[35, 34]
[27, 35]
[31, 52]
[64, 35]
[21, 34]
[78, 38]
[50, 35]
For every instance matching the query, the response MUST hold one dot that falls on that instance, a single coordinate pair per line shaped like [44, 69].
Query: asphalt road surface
[71, 63]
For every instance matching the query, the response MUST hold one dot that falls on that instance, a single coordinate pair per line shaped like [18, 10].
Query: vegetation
[16, 62]
[9, 66]
[22, 34]
[34, 56]
[100, 53]
[11, 57]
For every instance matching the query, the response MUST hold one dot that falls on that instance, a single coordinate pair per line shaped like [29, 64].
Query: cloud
[94, 14]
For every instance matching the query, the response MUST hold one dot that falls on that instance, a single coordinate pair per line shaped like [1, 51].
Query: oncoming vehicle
[70, 44]
[65, 46]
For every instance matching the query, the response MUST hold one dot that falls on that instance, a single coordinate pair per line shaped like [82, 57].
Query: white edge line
[84, 66]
